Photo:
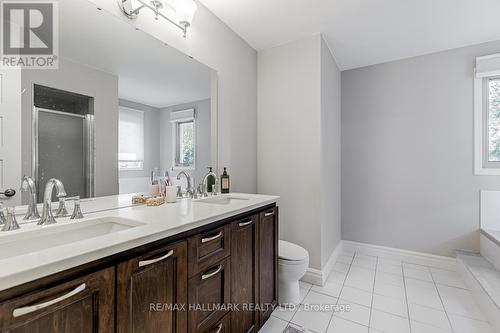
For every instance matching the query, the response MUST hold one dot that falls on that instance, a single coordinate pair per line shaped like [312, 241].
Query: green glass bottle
[224, 182]
[210, 181]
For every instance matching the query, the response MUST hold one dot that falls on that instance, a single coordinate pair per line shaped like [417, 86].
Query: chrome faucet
[47, 216]
[28, 185]
[189, 188]
[205, 182]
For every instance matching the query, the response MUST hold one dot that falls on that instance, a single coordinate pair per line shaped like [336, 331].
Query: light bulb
[185, 10]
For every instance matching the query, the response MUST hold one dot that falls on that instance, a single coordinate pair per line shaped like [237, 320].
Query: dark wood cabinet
[207, 280]
[268, 262]
[152, 291]
[84, 305]
[209, 296]
[244, 275]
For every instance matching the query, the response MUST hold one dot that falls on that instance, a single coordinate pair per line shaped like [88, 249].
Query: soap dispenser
[210, 180]
[224, 182]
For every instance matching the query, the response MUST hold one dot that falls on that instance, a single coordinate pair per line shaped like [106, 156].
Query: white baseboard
[318, 277]
[422, 258]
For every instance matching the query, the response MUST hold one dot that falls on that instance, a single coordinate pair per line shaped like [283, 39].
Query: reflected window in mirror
[184, 139]
[131, 139]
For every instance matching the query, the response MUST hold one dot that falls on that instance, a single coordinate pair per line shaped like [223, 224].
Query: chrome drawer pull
[244, 224]
[209, 239]
[152, 261]
[269, 214]
[209, 275]
[219, 329]
[28, 309]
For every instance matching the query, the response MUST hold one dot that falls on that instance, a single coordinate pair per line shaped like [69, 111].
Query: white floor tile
[358, 313]
[417, 274]
[316, 321]
[345, 259]
[341, 267]
[274, 325]
[389, 290]
[389, 267]
[448, 278]
[336, 277]
[389, 323]
[423, 293]
[460, 302]
[305, 285]
[388, 278]
[339, 325]
[467, 325]
[417, 327]
[364, 262]
[360, 278]
[330, 288]
[300, 328]
[314, 298]
[284, 313]
[395, 306]
[357, 296]
[429, 316]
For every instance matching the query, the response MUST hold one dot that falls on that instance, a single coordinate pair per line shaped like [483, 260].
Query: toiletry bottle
[224, 180]
[154, 188]
[210, 181]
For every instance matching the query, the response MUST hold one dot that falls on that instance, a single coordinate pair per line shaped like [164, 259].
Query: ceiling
[149, 72]
[363, 32]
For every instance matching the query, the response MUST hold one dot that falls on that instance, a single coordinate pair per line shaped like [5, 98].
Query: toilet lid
[292, 252]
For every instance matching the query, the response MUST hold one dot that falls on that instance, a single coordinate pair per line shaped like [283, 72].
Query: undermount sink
[226, 200]
[43, 238]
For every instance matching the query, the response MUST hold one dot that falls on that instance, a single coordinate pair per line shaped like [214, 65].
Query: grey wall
[330, 215]
[84, 80]
[299, 142]
[407, 153]
[151, 139]
[203, 138]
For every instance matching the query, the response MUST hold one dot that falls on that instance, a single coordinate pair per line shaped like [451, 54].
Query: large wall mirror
[121, 105]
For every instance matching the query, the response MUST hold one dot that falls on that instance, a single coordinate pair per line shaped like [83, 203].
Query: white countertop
[158, 223]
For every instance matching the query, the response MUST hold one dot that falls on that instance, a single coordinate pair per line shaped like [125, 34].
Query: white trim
[422, 258]
[480, 167]
[318, 277]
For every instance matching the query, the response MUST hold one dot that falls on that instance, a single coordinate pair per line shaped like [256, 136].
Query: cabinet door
[83, 305]
[209, 296]
[222, 326]
[152, 291]
[244, 275]
[268, 262]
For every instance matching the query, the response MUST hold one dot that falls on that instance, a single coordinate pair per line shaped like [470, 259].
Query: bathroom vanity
[206, 265]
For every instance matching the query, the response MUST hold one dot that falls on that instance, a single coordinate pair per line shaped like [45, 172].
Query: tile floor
[385, 294]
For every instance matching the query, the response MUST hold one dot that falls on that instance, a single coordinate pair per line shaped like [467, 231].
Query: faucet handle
[77, 212]
[10, 221]
[2, 216]
[62, 211]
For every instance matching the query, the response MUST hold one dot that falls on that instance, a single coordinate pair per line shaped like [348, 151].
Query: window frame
[141, 162]
[176, 141]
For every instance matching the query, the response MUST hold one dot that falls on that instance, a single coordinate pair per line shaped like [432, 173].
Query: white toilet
[293, 261]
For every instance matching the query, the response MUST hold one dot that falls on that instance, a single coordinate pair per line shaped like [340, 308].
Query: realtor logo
[29, 34]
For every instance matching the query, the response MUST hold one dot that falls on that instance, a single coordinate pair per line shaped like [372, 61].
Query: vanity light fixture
[183, 9]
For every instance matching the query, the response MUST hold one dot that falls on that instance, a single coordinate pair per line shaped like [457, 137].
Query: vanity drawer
[207, 248]
[209, 296]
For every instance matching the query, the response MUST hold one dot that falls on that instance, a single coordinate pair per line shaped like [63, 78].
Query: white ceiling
[149, 72]
[364, 32]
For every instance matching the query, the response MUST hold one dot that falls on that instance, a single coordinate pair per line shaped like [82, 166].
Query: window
[131, 139]
[493, 103]
[487, 115]
[184, 134]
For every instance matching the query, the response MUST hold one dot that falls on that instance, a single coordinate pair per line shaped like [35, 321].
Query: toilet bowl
[293, 261]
